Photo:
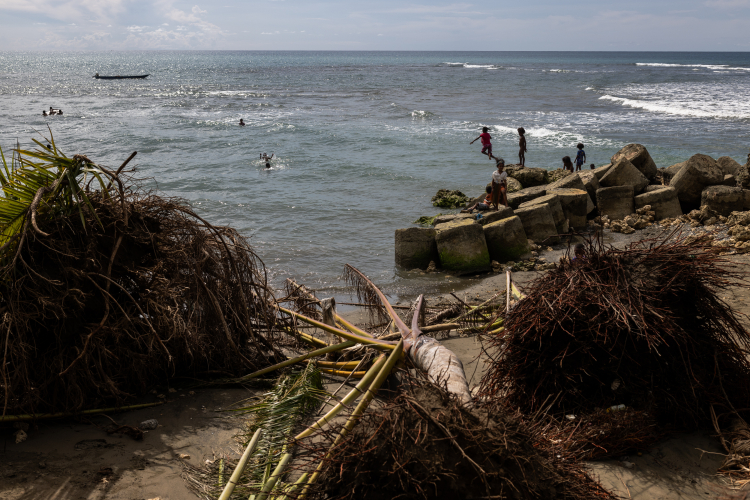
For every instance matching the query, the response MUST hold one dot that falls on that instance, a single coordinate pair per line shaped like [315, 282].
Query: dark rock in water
[449, 199]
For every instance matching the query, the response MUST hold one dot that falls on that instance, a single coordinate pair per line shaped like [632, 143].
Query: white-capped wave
[555, 70]
[472, 66]
[687, 107]
[697, 67]
[418, 113]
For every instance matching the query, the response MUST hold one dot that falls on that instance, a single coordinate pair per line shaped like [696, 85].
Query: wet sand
[79, 460]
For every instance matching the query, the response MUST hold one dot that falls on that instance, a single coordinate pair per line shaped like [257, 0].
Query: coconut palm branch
[292, 399]
[42, 181]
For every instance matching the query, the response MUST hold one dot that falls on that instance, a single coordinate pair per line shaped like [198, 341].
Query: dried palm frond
[365, 293]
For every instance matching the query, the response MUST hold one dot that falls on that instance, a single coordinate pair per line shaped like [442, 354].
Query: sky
[635, 25]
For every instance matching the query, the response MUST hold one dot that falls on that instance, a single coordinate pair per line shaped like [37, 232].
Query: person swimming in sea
[242, 122]
[267, 159]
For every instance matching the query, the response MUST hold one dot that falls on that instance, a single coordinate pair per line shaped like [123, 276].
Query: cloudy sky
[708, 25]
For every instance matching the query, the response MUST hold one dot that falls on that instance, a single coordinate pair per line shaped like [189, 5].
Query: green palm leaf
[50, 173]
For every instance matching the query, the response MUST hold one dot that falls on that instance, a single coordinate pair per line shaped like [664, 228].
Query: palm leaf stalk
[395, 356]
[367, 340]
[229, 488]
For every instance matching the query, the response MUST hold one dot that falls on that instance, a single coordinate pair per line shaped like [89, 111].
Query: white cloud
[197, 10]
[727, 4]
[135, 29]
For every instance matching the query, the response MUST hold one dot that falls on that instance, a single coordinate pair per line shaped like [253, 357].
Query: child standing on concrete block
[580, 156]
[522, 146]
[499, 185]
[486, 142]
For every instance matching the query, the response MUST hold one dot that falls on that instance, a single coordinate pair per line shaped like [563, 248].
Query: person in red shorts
[486, 142]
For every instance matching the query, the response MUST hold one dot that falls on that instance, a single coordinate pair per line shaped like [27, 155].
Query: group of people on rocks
[497, 190]
[52, 112]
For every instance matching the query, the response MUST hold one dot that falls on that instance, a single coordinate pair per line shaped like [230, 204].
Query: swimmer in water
[242, 122]
[267, 159]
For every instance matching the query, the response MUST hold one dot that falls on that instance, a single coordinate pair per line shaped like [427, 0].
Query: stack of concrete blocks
[540, 211]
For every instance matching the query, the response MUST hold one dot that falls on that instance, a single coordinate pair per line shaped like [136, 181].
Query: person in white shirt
[499, 185]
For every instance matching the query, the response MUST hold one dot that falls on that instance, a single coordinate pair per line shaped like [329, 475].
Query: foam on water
[695, 66]
[700, 100]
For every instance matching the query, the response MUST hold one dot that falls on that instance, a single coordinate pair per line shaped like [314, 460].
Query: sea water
[363, 140]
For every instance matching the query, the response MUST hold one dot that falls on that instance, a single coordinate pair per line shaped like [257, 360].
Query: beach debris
[141, 287]
[647, 314]
[446, 198]
[149, 425]
[424, 441]
[183, 456]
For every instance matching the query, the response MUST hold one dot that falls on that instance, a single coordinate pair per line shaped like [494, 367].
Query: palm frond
[294, 397]
[42, 181]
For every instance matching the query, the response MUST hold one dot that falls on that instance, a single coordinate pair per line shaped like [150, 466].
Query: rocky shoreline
[551, 207]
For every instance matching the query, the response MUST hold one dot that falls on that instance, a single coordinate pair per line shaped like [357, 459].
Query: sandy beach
[77, 459]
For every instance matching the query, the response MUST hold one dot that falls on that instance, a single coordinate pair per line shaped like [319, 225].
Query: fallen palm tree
[268, 477]
[642, 329]
[106, 291]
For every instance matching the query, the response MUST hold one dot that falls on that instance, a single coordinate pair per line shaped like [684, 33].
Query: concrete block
[663, 202]
[462, 247]
[574, 204]
[615, 202]
[537, 221]
[506, 239]
[415, 247]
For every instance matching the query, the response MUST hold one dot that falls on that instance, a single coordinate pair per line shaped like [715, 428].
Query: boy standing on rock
[580, 156]
[522, 146]
[499, 185]
[486, 142]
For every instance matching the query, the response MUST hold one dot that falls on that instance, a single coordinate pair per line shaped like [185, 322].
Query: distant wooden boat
[118, 77]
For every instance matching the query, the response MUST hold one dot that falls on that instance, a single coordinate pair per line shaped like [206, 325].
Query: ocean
[363, 140]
